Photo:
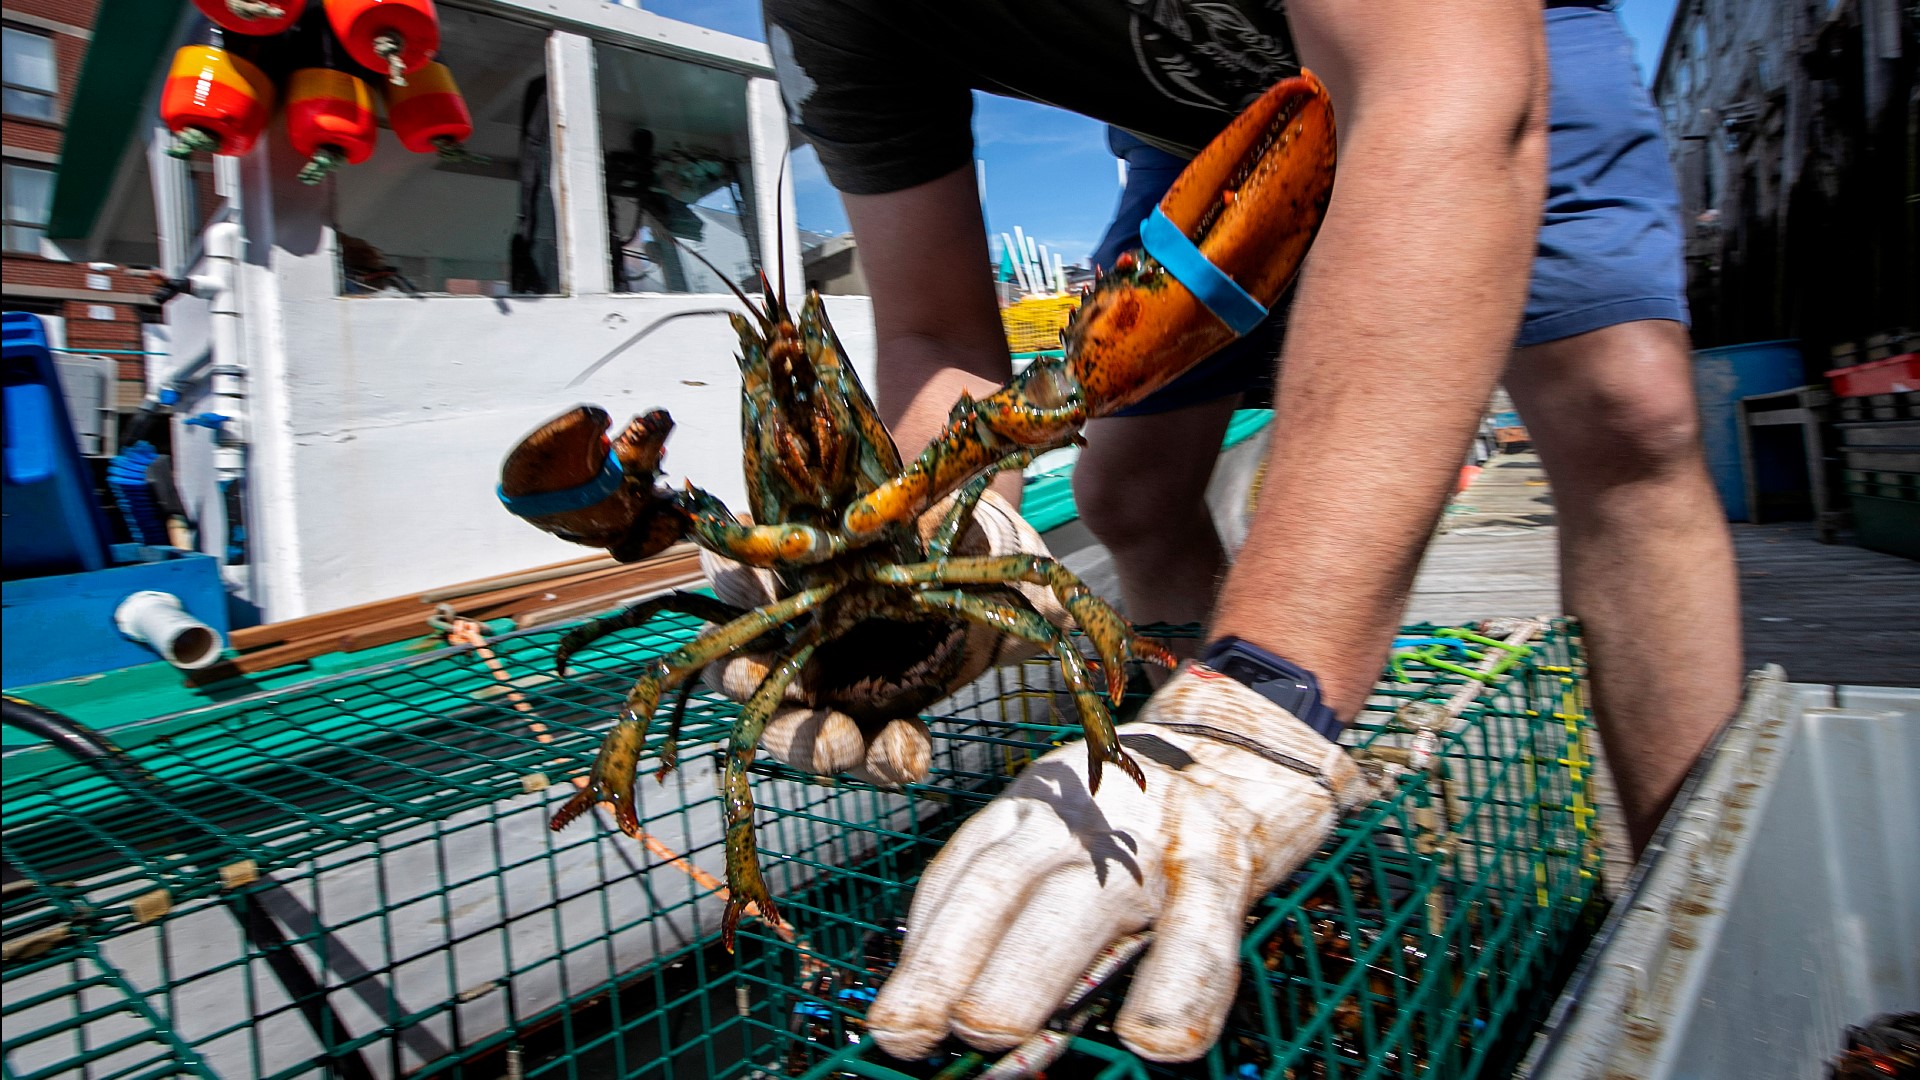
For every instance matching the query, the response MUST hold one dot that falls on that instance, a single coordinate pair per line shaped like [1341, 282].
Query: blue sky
[1048, 171]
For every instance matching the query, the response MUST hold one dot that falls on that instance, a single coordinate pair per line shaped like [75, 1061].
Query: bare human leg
[1141, 486]
[1646, 561]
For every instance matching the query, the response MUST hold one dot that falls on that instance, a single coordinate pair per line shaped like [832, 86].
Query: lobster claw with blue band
[571, 479]
[1221, 247]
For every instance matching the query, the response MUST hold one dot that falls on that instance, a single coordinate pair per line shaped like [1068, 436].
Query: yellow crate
[1035, 322]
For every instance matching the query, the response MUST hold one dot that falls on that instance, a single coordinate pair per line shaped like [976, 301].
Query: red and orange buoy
[329, 120]
[258, 17]
[395, 36]
[215, 100]
[428, 113]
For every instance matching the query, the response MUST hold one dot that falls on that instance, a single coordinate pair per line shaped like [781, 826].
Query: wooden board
[579, 586]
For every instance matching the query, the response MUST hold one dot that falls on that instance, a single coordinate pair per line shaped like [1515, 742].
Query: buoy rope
[188, 140]
[255, 9]
[324, 161]
[388, 47]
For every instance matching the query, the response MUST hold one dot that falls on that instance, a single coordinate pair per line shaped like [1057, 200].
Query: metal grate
[355, 877]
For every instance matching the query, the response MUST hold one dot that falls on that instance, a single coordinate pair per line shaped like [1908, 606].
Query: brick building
[97, 299]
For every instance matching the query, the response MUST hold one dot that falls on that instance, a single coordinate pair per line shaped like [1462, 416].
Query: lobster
[874, 605]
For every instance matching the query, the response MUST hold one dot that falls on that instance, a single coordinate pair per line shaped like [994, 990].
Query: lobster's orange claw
[1251, 202]
[1141, 329]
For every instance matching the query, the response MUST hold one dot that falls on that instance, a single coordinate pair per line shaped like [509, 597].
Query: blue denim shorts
[1610, 243]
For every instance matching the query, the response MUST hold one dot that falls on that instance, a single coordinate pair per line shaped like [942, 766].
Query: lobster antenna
[765, 320]
[643, 332]
[724, 280]
[779, 222]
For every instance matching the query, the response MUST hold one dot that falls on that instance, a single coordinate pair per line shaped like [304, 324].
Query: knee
[1617, 413]
[1134, 511]
[1640, 431]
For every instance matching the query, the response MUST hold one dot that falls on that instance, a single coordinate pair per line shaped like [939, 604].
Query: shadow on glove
[1016, 906]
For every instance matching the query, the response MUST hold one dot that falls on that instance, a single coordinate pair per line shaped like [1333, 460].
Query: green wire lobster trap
[355, 878]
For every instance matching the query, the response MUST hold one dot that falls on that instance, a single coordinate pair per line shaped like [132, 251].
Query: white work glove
[1239, 793]
[824, 741]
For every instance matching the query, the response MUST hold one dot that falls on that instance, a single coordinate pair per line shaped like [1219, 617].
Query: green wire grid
[354, 877]
[1423, 940]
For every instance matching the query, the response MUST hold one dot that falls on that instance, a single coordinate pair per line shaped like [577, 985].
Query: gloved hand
[1010, 913]
[810, 736]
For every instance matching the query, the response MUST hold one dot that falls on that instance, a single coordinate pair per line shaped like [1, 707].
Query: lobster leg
[685, 603]
[979, 435]
[715, 528]
[614, 769]
[1110, 635]
[670, 746]
[744, 884]
[960, 514]
[1103, 744]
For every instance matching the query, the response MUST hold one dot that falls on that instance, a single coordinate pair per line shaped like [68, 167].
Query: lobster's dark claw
[569, 479]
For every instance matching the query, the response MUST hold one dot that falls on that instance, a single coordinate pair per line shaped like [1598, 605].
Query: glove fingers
[738, 676]
[736, 583]
[819, 741]
[969, 894]
[1044, 953]
[1186, 982]
[901, 754]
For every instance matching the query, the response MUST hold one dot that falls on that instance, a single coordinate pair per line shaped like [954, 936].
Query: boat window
[678, 174]
[477, 220]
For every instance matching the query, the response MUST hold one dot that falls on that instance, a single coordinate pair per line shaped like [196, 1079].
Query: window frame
[51, 94]
[746, 197]
[8, 224]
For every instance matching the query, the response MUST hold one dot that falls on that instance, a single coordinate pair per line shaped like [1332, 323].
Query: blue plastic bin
[53, 523]
[1721, 377]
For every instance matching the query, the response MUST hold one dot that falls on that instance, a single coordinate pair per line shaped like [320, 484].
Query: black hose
[89, 747]
[80, 742]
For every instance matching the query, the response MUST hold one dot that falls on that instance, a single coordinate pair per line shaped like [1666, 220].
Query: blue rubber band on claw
[1219, 293]
[567, 500]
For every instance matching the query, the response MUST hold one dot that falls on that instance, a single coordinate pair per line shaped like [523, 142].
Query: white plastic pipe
[228, 385]
[157, 620]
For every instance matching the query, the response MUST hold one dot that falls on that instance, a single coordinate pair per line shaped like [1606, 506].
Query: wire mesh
[355, 878]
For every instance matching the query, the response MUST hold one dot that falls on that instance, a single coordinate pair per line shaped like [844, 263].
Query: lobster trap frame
[355, 877]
